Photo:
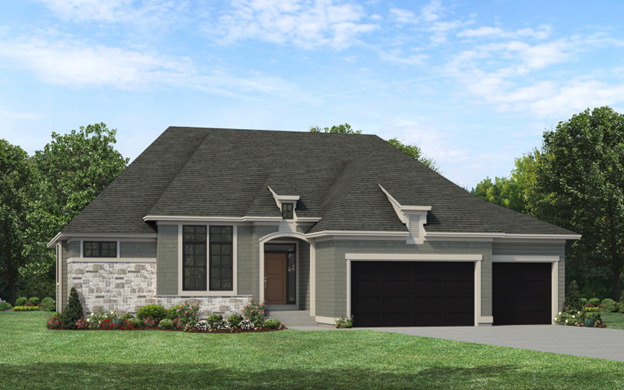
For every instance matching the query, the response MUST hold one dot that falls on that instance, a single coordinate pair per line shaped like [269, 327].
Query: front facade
[325, 224]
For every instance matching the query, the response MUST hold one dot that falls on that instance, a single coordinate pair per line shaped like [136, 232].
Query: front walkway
[569, 340]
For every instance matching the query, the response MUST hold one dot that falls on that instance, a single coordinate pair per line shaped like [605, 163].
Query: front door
[275, 278]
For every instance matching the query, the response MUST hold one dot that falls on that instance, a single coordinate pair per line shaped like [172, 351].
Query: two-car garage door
[403, 293]
[387, 293]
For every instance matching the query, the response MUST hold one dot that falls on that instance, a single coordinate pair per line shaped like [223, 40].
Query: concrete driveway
[569, 340]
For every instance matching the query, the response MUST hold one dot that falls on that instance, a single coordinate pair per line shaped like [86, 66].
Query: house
[326, 224]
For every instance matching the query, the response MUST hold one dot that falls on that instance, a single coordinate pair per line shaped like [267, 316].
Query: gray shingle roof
[226, 172]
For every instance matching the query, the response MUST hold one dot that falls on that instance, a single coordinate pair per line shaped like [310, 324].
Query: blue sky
[474, 84]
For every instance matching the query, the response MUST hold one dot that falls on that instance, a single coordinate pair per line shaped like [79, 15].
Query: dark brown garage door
[521, 293]
[412, 293]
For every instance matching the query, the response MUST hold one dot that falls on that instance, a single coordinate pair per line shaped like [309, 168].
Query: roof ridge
[182, 166]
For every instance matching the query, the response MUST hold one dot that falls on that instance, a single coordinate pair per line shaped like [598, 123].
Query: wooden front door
[275, 278]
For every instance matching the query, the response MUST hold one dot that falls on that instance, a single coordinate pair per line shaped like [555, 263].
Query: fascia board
[358, 233]
[505, 236]
[169, 218]
[51, 244]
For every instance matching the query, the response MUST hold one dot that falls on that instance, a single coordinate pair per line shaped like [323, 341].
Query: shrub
[28, 304]
[116, 324]
[214, 319]
[254, 312]
[20, 301]
[594, 301]
[48, 304]
[74, 311]
[597, 320]
[5, 306]
[592, 309]
[157, 312]
[588, 305]
[234, 320]
[55, 322]
[572, 301]
[136, 323]
[610, 306]
[186, 316]
[621, 307]
[82, 323]
[344, 322]
[246, 324]
[271, 323]
[150, 322]
[34, 300]
[172, 313]
[26, 308]
[127, 316]
[166, 324]
[202, 325]
[570, 319]
[95, 320]
[583, 301]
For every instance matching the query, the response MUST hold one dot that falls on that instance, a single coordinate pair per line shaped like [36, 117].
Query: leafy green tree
[581, 179]
[16, 191]
[70, 172]
[340, 129]
[411, 150]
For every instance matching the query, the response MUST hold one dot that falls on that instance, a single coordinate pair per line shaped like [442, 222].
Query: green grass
[613, 320]
[33, 357]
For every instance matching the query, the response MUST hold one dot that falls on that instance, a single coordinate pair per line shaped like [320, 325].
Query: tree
[16, 176]
[71, 171]
[416, 153]
[411, 150]
[581, 180]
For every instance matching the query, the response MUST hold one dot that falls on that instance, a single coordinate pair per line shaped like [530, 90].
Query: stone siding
[224, 306]
[123, 287]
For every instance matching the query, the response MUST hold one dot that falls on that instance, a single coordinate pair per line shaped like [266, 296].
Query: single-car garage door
[521, 293]
[389, 293]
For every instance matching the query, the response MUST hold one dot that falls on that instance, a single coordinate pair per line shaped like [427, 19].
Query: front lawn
[613, 320]
[33, 357]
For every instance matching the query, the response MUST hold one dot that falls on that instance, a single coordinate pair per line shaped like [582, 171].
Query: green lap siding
[137, 249]
[304, 275]
[167, 260]
[331, 270]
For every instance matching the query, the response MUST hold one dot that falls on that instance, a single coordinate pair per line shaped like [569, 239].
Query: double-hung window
[100, 249]
[287, 211]
[194, 261]
[221, 258]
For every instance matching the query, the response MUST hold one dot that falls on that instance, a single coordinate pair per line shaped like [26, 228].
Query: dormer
[414, 218]
[286, 203]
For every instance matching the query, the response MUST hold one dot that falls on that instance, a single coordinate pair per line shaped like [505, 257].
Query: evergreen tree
[572, 301]
[73, 312]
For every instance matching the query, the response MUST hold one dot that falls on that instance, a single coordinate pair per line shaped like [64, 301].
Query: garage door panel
[413, 293]
[521, 293]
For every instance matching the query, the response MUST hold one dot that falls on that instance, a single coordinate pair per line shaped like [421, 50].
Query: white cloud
[428, 20]
[19, 115]
[115, 11]
[76, 63]
[542, 32]
[307, 24]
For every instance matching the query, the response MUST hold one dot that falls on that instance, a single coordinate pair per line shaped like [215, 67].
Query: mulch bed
[190, 331]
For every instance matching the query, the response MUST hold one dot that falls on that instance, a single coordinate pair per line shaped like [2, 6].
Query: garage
[521, 293]
[403, 293]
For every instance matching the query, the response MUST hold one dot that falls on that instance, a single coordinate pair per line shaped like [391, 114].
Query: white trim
[325, 320]
[53, 241]
[410, 257]
[476, 258]
[208, 293]
[186, 218]
[359, 233]
[311, 220]
[485, 320]
[120, 239]
[261, 242]
[312, 278]
[82, 249]
[111, 260]
[101, 236]
[59, 259]
[554, 275]
[537, 237]
[118, 249]
[356, 238]
[524, 259]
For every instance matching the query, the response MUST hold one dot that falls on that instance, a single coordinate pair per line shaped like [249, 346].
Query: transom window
[100, 249]
[221, 277]
[194, 262]
[287, 211]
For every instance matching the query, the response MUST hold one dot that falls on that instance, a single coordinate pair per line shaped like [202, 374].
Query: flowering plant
[344, 322]
[150, 322]
[82, 323]
[55, 322]
[570, 319]
[117, 324]
[202, 325]
[246, 324]
[95, 320]
[26, 308]
[254, 312]
[186, 316]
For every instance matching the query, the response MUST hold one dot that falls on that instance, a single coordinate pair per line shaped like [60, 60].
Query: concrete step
[292, 317]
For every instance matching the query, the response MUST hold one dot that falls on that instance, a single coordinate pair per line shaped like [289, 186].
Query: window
[194, 258]
[100, 249]
[287, 211]
[221, 258]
